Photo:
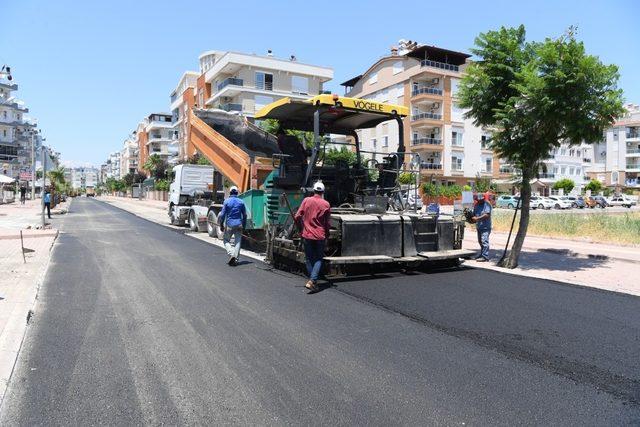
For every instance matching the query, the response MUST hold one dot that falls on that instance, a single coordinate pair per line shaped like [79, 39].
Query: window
[374, 144]
[563, 151]
[4, 113]
[572, 152]
[571, 171]
[456, 137]
[264, 81]
[454, 87]
[300, 85]
[262, 100]
[555, 170]
[456, 163]
[563, 170]
[398, 67]
[484, 142]
[615, 134]
[385, 141]
[487, 164]
[373, 78]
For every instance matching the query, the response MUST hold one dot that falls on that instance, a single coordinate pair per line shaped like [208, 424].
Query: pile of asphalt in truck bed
[238, 130]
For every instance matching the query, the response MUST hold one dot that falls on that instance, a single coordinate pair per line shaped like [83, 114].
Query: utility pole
[33, 166]
[44, 181]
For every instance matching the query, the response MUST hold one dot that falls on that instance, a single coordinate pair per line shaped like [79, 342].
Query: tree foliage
[273, 126]
[334, 155]
[534, 96]
[594, 186]
[565, 184]
[156, 166]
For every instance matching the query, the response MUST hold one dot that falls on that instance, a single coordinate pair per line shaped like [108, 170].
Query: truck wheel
[193, 222]
[173, 216]
[212, 226]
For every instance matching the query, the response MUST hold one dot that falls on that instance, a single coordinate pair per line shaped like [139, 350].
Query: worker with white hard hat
[233, 220]
[314, 214]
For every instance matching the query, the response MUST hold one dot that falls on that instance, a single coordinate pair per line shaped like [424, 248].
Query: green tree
[594, 186]
[57, 176]
[535, 95]
[566, 184]
[334, 155]
[483, 184]
[407, 178]
[272, 126]
[156, 166]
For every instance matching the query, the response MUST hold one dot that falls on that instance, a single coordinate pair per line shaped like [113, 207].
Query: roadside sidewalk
[20, 277]
[607, 267]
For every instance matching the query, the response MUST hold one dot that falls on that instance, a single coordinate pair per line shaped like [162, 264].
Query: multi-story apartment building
[153, 136]
[182, 98]
[241, 83]
[113, 163]
[16, 132]
[245, 83]
[83, 177]
[425, 79]
[617, 158]
[129, 157]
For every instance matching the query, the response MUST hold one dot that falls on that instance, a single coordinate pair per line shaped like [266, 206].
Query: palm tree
[152, 164]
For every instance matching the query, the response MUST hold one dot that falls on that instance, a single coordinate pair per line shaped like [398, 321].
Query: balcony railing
[633, 165]
[633, 150]
[633, 135]
[632, 183]
[426, 141]
[424, 89]
[431, 166]
[547, 175]
[441, 65]
[421, 116]
[506, 170]
[264, 85]
[230, 81]
[230, 107]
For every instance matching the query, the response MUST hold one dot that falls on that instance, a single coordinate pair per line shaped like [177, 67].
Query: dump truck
[369, 231]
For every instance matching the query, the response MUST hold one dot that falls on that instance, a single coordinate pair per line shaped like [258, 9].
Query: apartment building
[113, 163]
[129, 156]
[182, 98]
[83, 177]
[425, 78]
[153, 136]
[617, 157]
[16, 131]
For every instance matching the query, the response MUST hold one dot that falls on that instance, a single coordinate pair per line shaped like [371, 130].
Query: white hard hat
[318, 186]
[233, 189]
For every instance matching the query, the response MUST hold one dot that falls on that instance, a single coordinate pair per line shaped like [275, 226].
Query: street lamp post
[44, 182]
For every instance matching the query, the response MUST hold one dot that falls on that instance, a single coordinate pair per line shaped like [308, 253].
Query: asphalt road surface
[139, 324]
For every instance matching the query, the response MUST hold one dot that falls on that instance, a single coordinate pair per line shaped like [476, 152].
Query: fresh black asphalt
[138, 324]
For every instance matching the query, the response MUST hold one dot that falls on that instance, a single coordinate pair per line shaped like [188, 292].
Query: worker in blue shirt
[232, 220]
[482, 219]
[47, 202]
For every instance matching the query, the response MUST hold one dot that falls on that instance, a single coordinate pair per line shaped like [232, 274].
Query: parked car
[576, 201]
[506, 201]
[560, 203]
[619, 201]
[597, 202]
[538, 202]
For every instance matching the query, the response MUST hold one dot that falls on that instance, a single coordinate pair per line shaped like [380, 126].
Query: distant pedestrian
[47, 202]
[232, 220]
[23, 194]
[314, 214]
[482, 219]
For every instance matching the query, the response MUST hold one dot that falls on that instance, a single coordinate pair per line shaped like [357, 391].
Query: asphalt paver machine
[369, 230]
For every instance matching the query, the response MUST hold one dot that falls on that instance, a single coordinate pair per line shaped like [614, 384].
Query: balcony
[230, 81]
[635, 134]
[422, 116]
[11, 86]
[264, 85]
[440, 65]
[633, 166]
[632, 182]
[426, 141]
[546, 175]
[431, 166]
[230, 107]
[633, 152]
[586, 160]
[426, 90]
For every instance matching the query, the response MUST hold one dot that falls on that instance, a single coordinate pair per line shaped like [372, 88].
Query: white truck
[192, 195]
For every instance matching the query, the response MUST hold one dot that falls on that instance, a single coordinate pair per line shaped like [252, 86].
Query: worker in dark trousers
[23, 194]
[232, 220]
[314, 214]
[482, 219]
[47, 202]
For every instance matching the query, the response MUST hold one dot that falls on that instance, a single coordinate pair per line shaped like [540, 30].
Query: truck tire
[173, 217]
[213, 230]
[193, 222]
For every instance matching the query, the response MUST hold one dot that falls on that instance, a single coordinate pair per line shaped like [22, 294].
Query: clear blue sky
[89, 71]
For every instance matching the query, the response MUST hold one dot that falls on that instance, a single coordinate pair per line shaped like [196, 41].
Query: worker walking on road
[314, 214]
[23, 195]
[482, 219]
[232, 220]
[47, 202]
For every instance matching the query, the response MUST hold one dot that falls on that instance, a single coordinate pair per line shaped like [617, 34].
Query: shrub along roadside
[599, 227]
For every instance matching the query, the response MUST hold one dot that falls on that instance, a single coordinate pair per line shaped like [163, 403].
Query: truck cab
[190, 183]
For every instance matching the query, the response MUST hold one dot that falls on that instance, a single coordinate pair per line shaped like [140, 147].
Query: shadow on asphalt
[556, 260]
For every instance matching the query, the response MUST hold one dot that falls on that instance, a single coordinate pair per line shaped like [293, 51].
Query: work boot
[311, 286]
[232, 261]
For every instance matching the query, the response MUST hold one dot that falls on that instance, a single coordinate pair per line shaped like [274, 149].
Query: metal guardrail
[429, 90]
[230, 81]
[426, 141]
[264, 86]
[441, 65]
[421, 116]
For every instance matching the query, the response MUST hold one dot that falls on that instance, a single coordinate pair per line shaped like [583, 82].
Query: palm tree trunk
[525, 199]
